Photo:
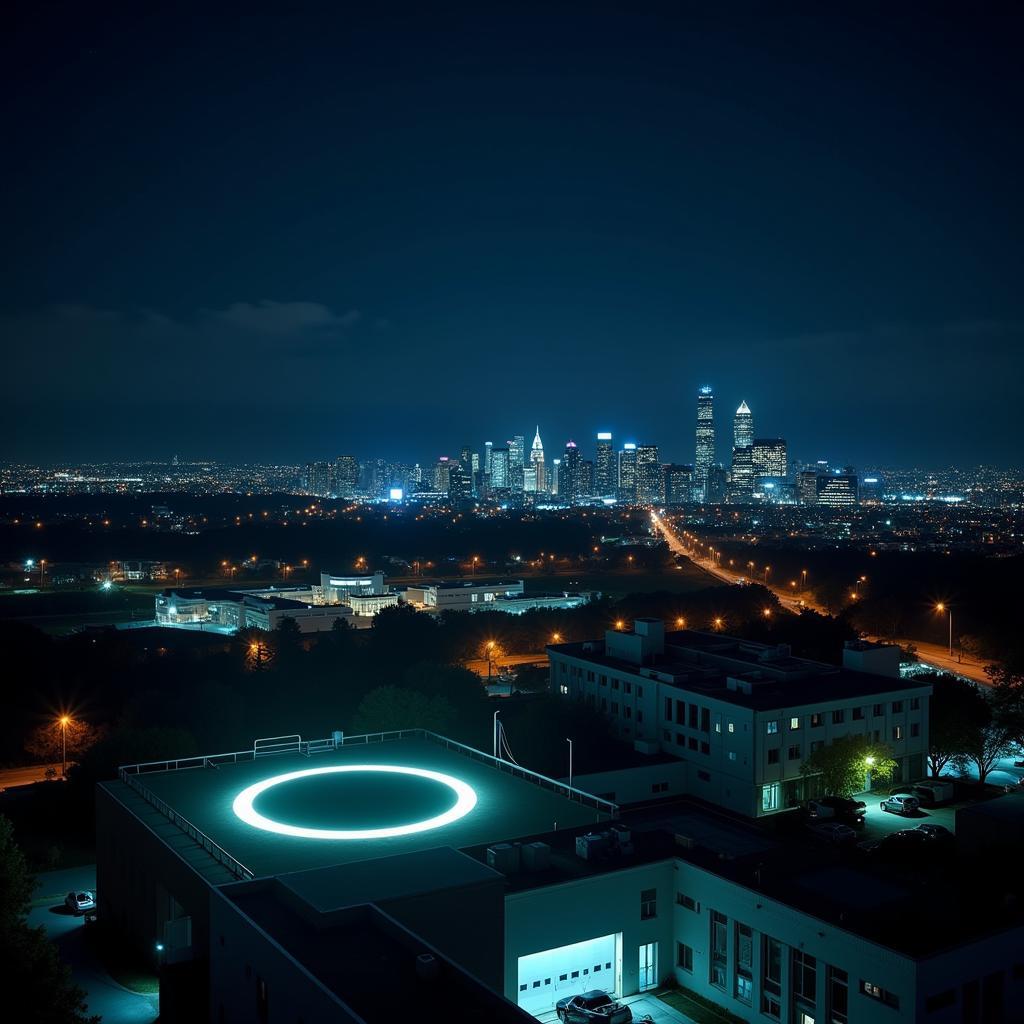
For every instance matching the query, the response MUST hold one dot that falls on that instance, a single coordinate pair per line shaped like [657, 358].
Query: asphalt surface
[25, 776]
[116, 1004]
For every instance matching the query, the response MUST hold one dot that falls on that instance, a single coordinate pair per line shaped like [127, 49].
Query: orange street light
[941, 607]
[65, 721]
[718, 623]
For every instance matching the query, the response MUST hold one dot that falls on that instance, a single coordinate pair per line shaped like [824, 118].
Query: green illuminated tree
[843, 765]
[958, 713]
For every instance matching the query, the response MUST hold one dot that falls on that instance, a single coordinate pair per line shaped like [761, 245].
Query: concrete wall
[558, 915]
[636, 785]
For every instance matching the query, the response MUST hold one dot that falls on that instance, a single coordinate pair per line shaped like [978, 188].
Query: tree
[392, 707]
[958, 712]
[46, 741]
[844, 764]
[44, 991]
[288, 639]
[986, 749]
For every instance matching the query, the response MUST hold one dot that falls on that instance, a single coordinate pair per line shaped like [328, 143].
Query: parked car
[841, 808]
[834, 832]
[80, 902]
[907, 844]
[933, 792]
[937, 832]
[594, 1007]
[901, 803]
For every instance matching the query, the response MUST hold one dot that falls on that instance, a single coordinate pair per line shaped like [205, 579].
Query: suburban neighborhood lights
[464, 803]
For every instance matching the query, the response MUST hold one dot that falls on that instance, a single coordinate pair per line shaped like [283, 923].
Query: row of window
[586, 971]
[839, 716]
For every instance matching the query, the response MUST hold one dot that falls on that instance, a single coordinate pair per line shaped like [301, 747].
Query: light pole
[494, 734]
[490, 648]
[475, 560]
[803, 580]
[64, 719]
[940, 608]
[569, 741]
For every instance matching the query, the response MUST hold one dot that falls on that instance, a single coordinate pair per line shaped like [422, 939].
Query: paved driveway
[878, 823]
[116, 1004]
[643, 1006]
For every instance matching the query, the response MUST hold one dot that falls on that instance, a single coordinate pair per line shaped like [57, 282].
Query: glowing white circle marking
[464, 803]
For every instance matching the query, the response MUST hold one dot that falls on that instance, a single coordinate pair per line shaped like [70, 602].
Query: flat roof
[701, 663]
[507, 805]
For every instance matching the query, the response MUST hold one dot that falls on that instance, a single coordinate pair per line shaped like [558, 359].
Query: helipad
[289, 812]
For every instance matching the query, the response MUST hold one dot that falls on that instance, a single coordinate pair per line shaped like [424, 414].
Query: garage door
[546, 977]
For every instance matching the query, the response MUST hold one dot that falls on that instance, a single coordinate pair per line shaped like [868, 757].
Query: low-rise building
[462, 595]
[744, 716]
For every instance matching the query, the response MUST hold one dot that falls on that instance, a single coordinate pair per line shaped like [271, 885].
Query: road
[479, 665]
[25, 776]
[116, 1004]
[936, 655]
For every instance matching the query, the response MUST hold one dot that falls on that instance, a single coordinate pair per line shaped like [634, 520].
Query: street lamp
[940, 608]
[556, 638]
[64, 720]
[767, 570]
[475, 560]
[569, 741]
[490, 648]
[680, 623]
[803, 579]
[718, 623]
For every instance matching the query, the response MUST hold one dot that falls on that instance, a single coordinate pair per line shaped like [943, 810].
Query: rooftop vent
[427, 967]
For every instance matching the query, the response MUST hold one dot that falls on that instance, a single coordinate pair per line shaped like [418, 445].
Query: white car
[81, 901]
[901, 803]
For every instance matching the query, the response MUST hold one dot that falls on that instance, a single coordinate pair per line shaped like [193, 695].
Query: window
[773, 756]
[804, 979]
[590, 676]
[915, 703]
[684, 956]
[693, 743]
[648, 904]
[680, 740]
[732, 728]
[694, 713]
[704, 776]
[615, 708]
[668, 708]
[705, 720]
[732, 755]
[816, 745]
[639, 691]
[744, 988]
[877, 711]
[688, 902]
[858, 714]
[627, 687]
[771, 728]
[771, 794]
[837, 995]
[615, 683]
[627, 711]
[659, 787]
[771, 977]
[915, 729]
[718, 727]
[794, 724]
[897, 706]
[793, 754]
[940, 1000]
[705, 747]
[639, 715]
[563, 689]
[897, 732]
[817, 719]
[838, 717]
[719, 949]
[879, 993]
[666, 735]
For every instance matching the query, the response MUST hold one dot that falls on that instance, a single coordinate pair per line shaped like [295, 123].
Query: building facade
[704, 455]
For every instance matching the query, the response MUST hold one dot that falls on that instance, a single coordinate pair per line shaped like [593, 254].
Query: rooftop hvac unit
[427, 967]
[686, 842]
[503, 857]
[536, 856]
[590, 846]
[621, 834]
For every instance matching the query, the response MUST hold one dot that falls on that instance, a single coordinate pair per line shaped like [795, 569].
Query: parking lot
[878, 823]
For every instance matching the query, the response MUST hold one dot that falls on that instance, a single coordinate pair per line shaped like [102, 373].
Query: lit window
[794, 723]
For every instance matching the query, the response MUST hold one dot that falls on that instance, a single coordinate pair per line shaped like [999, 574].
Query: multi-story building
[571, 485]
[770, 458]
[539, 482]
[460, 484]
[744, 716]
[807, 487]
[627, 472]
[516, 461]
[499, 473]
[318, 479]
[704, 457]
[346, 476]
[604, 466]
[678, 484]
[717, 487]
[837, 490]
[649, 482]
[442, 474]
[741, 484]
[556, 473]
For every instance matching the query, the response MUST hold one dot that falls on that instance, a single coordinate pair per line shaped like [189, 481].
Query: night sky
[288, 236]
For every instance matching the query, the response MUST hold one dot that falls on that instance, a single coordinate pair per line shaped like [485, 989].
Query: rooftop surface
[702, 662]
[506, 805]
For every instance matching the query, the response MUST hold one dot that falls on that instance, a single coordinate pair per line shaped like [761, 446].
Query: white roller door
[546, 977]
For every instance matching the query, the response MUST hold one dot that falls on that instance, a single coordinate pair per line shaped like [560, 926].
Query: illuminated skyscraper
[346, 475]
[705, 455]
[770, 457]
[627, 472]
[499, 469]
[539, 481]
[742, 483]
[678, 484]
[516, 462]
[604, 466]
[571, 484]
[556, 471]
[649, 478]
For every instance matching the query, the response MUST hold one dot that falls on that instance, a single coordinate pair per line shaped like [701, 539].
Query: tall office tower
[587, 477]
[442, 474]
[556, 469]
[516, 461]
[539, 477]
[717, 485]
[678, 484]
[648, 475]
[704, 458]
[604, 466]
[488, 448]
[838, 490]
[318, 475]
[741, 484]
[807, 487]
[346, 475]
[570, 487]
[626, 490]
[466, 459]
[499, 469]
[458, 483]
[770, 458]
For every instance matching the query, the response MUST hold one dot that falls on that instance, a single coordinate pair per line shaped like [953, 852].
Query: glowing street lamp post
[940, 608]
[490, 648]
[64, 719]
[569, 741]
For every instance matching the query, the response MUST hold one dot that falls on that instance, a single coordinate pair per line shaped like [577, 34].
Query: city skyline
[831, 228]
